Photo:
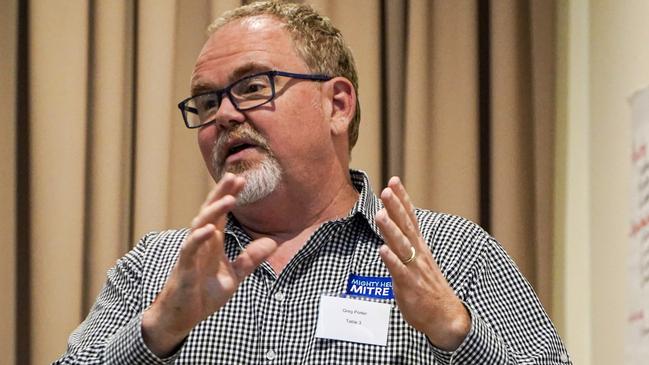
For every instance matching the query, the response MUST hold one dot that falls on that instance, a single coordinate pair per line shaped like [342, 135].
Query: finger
[399, 215]
[397, 187]
[211, 254]
[225, 180]
[214, 213]
[394, 237]
[193, 242]
[252, 256]
[396, 268]
[229, 184]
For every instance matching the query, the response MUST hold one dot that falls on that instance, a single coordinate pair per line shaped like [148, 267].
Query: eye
[207, 102]
[252, 87]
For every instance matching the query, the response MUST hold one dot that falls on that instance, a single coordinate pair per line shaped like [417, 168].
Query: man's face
[285, 132]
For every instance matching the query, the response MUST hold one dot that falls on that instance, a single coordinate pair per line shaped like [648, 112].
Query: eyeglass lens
[246, 93]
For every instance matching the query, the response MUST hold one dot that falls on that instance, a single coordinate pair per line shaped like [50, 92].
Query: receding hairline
[222, 22]
[198, 85]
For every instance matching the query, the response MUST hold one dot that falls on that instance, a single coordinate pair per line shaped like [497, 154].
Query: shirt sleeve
[111, 333]
[508, 322]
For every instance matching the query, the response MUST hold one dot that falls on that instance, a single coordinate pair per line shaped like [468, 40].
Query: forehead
[245, 46]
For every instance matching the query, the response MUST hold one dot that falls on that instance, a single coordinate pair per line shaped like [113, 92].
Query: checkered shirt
[271, 319]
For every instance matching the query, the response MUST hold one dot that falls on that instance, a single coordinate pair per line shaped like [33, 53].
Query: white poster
[637, 329]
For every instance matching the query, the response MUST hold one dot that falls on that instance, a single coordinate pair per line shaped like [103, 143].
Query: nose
[228, 113]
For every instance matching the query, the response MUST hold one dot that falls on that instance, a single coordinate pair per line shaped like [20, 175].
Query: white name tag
[353, 320]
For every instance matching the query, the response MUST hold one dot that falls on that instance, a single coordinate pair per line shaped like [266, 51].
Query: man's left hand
[424, 297]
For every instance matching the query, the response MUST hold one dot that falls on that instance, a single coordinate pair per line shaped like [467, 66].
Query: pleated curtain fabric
[93, 152]
[8, 179]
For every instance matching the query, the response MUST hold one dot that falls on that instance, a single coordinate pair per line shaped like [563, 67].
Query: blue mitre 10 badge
[370, 286]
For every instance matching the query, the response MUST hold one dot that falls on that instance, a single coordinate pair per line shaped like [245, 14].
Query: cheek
[206, 137]
[308, 119]
[306, 134]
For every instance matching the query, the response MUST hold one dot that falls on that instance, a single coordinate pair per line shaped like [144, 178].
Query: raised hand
[423, 295]
[204, 279]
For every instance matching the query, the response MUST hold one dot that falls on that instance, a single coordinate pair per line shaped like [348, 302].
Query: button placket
[274, 316]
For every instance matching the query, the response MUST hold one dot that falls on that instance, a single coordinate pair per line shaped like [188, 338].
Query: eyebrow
[250, 68]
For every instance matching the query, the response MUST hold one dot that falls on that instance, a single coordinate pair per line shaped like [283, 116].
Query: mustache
[237, 131]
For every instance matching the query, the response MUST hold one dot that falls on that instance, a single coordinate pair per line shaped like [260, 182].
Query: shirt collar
[367, 205]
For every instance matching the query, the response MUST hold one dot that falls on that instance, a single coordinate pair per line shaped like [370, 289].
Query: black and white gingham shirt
[272, 319]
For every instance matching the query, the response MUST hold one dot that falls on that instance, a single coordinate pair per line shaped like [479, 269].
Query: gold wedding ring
[413, 255]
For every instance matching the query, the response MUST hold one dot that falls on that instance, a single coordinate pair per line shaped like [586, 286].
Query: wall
[593, 193]
[572, 284]
[603, 58]
[619, 53]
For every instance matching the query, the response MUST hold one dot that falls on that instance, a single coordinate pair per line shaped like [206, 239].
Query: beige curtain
[469, 117]
[8, 241]
[457, 98]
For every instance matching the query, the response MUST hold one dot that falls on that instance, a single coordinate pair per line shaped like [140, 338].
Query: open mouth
[238, 147]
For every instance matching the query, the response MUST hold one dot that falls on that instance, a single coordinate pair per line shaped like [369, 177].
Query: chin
[262, 178]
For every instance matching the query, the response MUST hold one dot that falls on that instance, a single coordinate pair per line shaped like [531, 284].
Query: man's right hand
[203, 279]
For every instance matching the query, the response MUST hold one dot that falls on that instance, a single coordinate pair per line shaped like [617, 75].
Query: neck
[297, 208]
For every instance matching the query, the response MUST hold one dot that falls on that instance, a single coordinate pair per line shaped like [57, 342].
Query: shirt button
[271, 355]
[279, 296]
[564, 357]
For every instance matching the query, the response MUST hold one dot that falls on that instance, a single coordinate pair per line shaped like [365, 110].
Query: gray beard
[261, 180]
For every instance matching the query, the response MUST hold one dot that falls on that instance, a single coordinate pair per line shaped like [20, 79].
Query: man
[292, 259]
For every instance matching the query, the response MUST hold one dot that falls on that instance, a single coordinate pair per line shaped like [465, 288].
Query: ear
[342, 96]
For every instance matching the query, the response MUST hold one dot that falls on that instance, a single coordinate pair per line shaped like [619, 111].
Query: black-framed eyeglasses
[245, 94]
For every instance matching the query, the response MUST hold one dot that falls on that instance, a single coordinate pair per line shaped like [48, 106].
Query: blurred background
[512, 113]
